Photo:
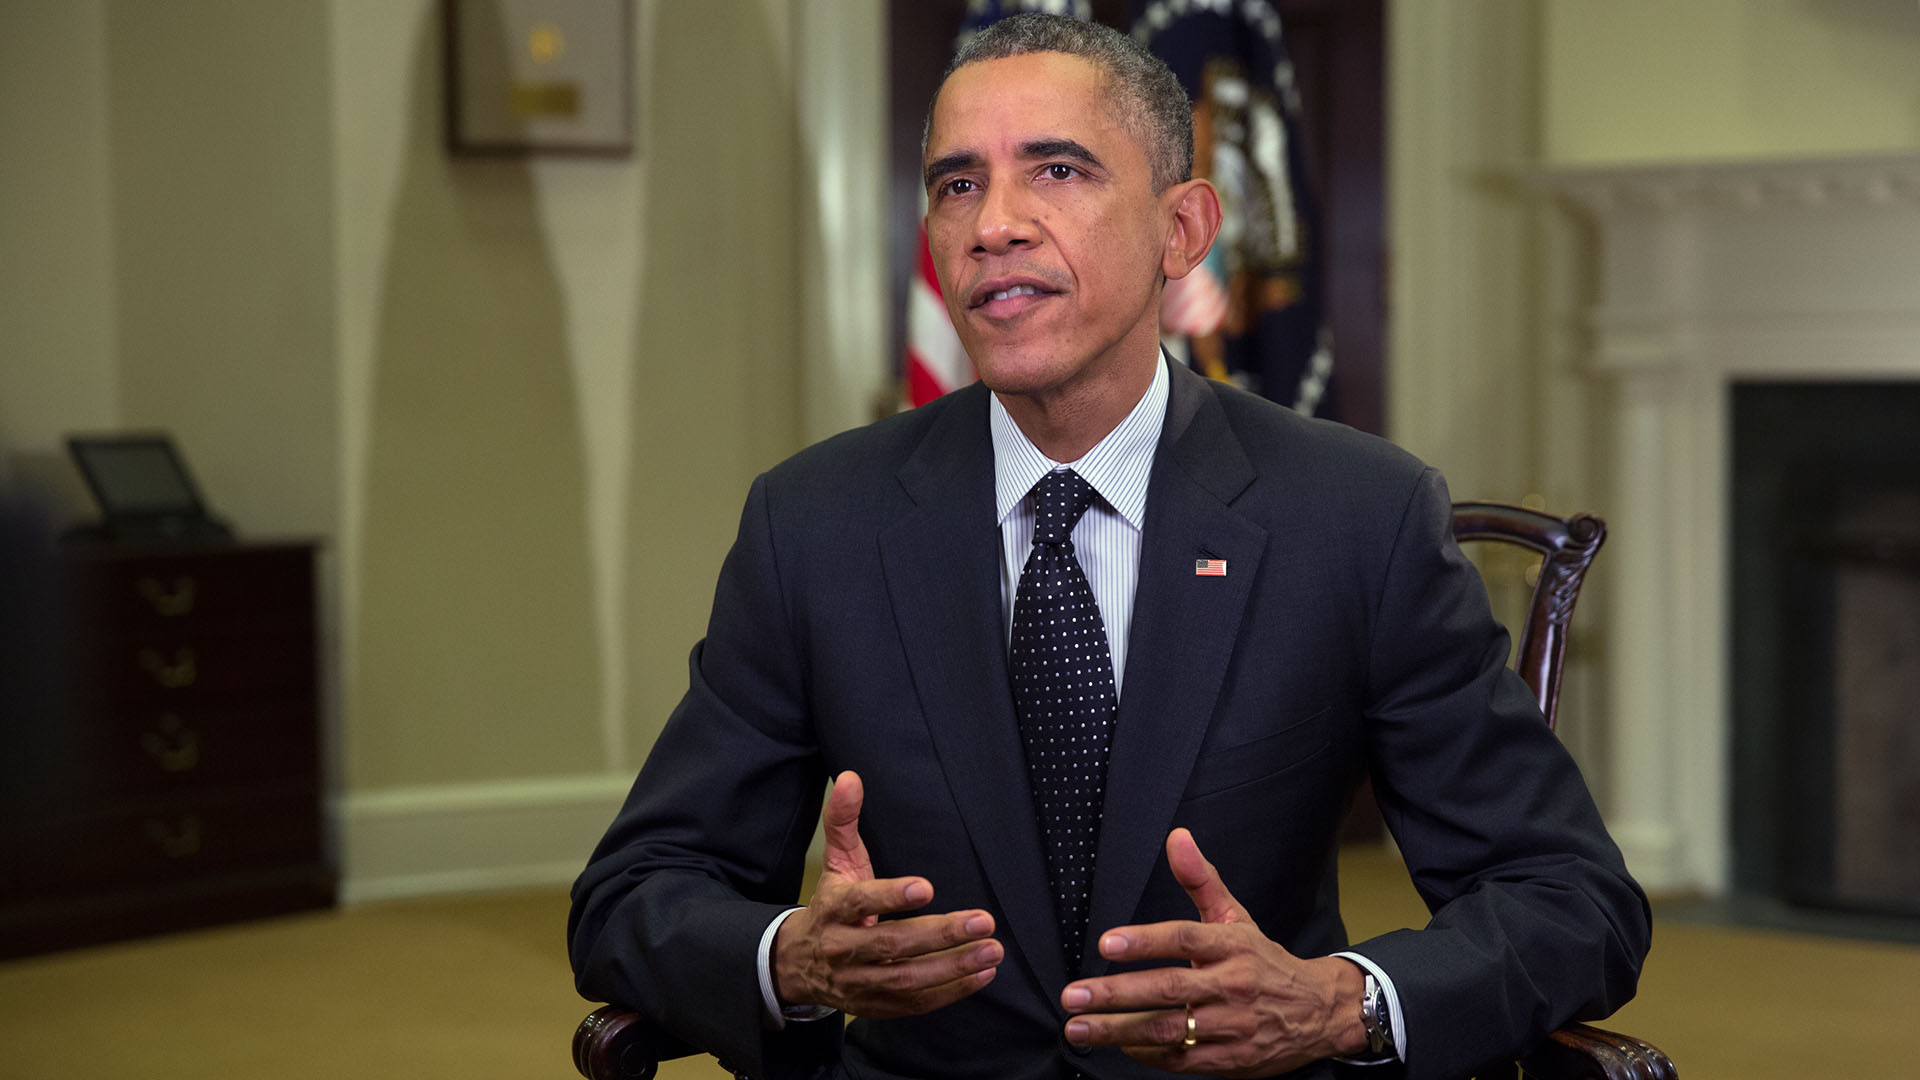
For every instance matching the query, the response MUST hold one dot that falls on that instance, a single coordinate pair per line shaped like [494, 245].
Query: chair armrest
[1582, 1052]
[617, 1044]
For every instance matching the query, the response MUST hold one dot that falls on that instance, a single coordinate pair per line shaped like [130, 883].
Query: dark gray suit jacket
[857, 625]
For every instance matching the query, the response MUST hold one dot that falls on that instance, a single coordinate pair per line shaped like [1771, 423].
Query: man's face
[1044, 226]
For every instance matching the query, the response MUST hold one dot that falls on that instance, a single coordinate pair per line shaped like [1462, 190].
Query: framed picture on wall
[539, 76]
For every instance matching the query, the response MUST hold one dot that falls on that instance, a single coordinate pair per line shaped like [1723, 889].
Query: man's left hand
[1257, 1009]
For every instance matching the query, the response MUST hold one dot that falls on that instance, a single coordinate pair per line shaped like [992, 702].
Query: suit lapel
[1184, 631]
[943, 575]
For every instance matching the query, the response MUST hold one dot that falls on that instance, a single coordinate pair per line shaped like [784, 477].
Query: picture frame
[143, 488]
[539, 77]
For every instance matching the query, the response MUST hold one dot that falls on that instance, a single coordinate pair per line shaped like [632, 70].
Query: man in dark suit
[1057, 633]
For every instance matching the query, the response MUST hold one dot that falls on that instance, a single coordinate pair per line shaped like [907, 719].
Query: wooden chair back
[1567, 547]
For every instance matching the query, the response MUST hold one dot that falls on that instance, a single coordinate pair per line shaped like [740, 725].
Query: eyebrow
[1059, 148]
[946, 165]
[961, 160]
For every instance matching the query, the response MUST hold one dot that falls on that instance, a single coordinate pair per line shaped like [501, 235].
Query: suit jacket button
[1072, 1049]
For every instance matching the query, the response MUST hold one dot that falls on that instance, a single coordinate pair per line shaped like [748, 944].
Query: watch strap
[1375, 1017]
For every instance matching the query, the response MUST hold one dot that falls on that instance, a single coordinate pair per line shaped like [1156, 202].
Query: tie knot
[1059, 499]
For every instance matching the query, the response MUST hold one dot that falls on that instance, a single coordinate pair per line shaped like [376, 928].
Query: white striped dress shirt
[1107, 538]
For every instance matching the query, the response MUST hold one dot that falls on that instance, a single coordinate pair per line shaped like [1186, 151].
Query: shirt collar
[1125, 453]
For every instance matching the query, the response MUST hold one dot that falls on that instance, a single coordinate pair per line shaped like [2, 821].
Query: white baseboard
[1652, 851]
[507, 834]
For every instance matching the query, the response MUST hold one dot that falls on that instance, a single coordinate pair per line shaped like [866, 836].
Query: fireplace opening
[1825, 644]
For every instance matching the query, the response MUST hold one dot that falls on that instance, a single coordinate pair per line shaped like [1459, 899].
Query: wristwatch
[1377, 1020]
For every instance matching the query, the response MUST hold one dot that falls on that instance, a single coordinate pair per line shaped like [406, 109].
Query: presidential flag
[1253, 313]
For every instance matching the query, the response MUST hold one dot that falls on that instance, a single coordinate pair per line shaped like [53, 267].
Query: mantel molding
[1891, 181]
[1710, 273]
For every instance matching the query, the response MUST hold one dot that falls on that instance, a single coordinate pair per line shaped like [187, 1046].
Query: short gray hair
[1153, 105]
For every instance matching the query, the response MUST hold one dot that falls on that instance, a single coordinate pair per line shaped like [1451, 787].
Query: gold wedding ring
[1191, 1039]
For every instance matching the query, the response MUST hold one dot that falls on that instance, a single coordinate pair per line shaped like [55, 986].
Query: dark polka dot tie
[1063, 690]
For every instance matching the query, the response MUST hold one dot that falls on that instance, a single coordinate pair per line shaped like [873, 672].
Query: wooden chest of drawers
[180, 785]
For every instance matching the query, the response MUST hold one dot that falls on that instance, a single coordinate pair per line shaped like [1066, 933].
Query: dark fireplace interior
[1826, 645]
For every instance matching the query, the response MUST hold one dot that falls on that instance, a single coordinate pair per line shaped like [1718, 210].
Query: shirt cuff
[1393, 1011]
[778, 1016]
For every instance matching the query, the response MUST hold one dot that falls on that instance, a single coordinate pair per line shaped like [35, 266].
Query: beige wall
[1480, 369]
[56, 237]
[1486, 92]
[1461, 120]
[163, 242]
[520, 399]
[720, 318]
[606, 348]
[1651, 80]
[1490, 281]
[223, 279]
[470, 652]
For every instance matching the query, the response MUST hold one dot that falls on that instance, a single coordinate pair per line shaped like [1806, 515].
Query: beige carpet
[1725, 1003]
[477, 988]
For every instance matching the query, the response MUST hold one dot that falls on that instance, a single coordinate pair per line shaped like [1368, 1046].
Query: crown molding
[1891, 181]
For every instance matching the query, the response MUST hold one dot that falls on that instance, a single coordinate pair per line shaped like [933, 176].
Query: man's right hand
[836, 951]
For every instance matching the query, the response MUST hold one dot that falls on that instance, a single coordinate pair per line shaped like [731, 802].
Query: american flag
[936, 363]
[1210, 568]
[1195, 305]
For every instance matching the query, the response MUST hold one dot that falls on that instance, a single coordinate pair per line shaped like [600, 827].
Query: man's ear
[1195, 223]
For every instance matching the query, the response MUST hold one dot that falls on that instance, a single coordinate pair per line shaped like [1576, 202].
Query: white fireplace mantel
[1711, 274]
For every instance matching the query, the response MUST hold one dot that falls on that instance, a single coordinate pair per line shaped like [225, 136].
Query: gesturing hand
[1257, 1009]
[837, 952]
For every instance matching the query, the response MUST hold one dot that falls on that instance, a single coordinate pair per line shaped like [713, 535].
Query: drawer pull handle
[173, 602]
[174, 747]
[174, 676]
[175, 842]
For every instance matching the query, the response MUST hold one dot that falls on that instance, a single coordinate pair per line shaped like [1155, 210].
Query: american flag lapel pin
[1209, 568]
